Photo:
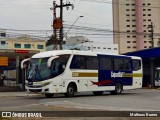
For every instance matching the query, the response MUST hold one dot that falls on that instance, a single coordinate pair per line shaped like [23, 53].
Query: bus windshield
[38, 70]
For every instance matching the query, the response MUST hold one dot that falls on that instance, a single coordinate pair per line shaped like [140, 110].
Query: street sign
[3, 61]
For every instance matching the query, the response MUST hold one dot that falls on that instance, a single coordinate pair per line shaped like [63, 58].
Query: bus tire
[97, 93]
[70, 91]
[49, 95]
[118, 89]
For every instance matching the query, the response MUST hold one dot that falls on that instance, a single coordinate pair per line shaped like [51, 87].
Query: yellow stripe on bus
[84, 74]
[132, 75]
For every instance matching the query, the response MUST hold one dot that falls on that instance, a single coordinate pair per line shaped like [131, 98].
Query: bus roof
[59, 52]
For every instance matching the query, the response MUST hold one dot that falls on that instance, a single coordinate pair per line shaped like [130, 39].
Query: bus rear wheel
[49, 95]
[118, 89]
[70, 91]
[97, 93]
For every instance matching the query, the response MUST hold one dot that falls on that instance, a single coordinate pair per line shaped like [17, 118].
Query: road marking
[69, 104]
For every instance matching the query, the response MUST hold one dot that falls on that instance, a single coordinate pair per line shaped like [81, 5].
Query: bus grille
[35, 90]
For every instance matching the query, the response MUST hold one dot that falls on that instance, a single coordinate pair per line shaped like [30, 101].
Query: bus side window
[136, 65]
[127, 64]
[78, 62]
[105, 63]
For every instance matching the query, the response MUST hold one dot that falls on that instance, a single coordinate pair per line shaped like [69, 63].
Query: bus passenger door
[137, 73]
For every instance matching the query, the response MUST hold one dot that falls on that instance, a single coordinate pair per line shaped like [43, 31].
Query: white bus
[70, 72]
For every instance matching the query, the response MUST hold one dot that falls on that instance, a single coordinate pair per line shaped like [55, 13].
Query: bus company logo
[119, 74]
[6, 114]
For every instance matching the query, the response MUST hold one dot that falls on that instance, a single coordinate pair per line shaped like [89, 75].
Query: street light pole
[73, 24]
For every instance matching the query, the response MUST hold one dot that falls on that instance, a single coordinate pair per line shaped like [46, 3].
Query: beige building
[132, 24]
[26, 43]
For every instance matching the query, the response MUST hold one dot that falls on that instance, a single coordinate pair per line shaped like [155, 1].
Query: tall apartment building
[132, 21]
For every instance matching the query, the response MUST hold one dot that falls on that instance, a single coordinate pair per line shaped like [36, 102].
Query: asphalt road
[132, 100]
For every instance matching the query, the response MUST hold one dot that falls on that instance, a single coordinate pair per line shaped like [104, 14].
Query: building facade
[13, 50]
[132, 21]
[26, 43]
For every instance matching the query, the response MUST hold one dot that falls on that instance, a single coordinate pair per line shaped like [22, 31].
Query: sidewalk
[16, 94]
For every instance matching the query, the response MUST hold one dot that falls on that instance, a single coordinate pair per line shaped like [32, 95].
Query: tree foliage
[50, 41]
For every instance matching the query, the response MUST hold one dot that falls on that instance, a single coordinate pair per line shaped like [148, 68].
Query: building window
[128, 20]
[128, 36]
[115, 48]
[127, 4]
[134, 36]
[109, 48]
[134, 41]
[27, 45]
[128, 47]
[134, 47]
[127, 9]
[144, 9]
[149, 4]
[149, 14]
[128, 25]
[149, 19]
[127, 14]
[133, 9]
[133, 15]
[149, 9]
[3, 42]
[40, 46]
[17, 45]
[128, 41]
[128, 30]
[133, 20]
[144, 14]
[133, 25]
[145, 46]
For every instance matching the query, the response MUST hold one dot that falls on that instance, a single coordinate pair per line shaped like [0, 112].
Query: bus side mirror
[50, 60]
[23, 61]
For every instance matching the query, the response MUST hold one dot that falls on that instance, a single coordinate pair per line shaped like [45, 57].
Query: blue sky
[36, 15]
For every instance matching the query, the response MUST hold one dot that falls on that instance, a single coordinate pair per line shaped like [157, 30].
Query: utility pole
[55, 34]
[61, 17]
[152, 34]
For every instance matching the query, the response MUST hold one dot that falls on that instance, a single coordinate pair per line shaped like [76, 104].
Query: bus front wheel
[70, 90]
[49, 95]
[118, 89]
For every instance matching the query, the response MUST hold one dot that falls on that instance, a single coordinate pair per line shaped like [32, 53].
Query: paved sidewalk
[16, 94]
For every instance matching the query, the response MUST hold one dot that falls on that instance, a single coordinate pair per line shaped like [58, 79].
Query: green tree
[50, 41]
